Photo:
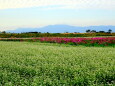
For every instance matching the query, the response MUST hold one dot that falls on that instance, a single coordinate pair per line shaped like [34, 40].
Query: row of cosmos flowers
[74, 41]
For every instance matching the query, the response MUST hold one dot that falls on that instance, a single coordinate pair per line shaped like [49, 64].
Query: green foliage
[45, 64]
[30, 35]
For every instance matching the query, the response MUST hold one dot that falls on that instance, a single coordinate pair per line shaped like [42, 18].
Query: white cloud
[74, 4]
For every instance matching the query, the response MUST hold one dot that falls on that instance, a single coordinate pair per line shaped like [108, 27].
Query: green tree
[109, 31]
[87, 31]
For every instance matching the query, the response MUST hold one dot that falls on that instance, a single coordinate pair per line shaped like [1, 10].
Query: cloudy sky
[36, 13]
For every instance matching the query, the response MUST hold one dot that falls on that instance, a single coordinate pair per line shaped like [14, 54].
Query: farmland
[38, 34]
[52, 64]
[96, 41]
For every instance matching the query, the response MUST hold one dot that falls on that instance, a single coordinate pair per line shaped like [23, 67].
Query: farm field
[52, 64]
[97, 41]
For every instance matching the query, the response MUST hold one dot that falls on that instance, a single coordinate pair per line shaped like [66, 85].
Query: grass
[45, 64]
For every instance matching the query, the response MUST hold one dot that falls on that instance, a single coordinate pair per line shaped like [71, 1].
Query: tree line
[89, 33]
[94, 31]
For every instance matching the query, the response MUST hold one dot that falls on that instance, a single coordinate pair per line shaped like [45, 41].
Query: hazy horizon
[39, 13]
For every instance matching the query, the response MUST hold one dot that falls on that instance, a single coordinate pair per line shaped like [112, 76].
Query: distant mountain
[63, 28]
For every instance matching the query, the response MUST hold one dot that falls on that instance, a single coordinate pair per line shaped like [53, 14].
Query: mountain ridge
[64, 28]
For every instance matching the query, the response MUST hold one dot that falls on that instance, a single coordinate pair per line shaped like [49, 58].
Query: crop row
[107, 41]
[28, 35]
[81, 41]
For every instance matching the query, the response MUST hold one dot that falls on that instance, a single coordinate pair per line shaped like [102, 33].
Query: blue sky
[36, 13]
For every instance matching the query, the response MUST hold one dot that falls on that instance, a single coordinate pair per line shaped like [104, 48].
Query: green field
[45, 64]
